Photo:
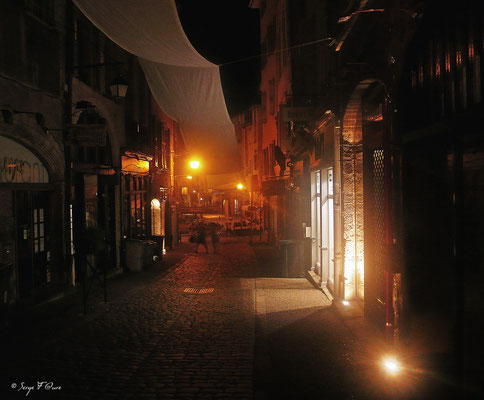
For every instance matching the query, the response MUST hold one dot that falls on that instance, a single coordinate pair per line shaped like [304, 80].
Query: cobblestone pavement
[187, 334]
[214, 326]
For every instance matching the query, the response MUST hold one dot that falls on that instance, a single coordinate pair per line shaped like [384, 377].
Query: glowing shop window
[155, 217]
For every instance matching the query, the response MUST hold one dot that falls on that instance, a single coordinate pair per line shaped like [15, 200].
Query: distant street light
[240, 186]
[391, 365]
[194, 164]
[189, 177]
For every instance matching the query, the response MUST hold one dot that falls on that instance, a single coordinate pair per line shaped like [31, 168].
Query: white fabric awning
[186, 86]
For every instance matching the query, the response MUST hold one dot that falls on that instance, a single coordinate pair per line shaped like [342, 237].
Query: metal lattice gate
[379, 222]
[374, 236]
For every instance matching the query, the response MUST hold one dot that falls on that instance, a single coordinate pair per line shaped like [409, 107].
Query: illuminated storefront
[135, 181]
[322, 226]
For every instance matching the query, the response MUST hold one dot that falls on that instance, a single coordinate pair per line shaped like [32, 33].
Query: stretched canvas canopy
[186, 86]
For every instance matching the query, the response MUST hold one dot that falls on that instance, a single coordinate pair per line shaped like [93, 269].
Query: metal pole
[388, 161]
[69, 44]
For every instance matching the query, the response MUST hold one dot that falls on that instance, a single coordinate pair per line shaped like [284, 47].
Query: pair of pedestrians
[201, 234]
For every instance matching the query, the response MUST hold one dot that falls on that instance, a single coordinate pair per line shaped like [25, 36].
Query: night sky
[223, 31]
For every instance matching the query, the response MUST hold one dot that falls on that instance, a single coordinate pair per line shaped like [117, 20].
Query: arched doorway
[29, 213]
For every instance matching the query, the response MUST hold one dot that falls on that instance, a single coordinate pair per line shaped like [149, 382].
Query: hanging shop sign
[133, 165]
[20, 165]
[89, 135]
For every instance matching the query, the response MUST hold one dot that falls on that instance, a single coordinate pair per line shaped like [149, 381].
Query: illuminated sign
[134, 166]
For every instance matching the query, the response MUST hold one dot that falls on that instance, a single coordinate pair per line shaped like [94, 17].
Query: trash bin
[159, 246]
[139, 253]
[149, 252]
[292, 260]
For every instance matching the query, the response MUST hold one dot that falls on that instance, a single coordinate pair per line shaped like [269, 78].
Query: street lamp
[195, 166]
[118, 88]
[240, 186]
[391, 365]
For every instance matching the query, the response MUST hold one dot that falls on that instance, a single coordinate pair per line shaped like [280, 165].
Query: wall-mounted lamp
[118, 88]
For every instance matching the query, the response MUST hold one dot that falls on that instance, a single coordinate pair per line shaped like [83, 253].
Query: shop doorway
[322, 222]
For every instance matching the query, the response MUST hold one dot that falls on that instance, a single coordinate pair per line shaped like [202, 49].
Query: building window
[447, 62]
[272, 97]
[437, 68]
[471, 51]
[272, 158]
[458, 58]
[156, 217]
[413, 79]
[284, 39]
[256, 164]
[134, 205]
[265, 161]
[317, 147]
[420, 75]
[263, 107]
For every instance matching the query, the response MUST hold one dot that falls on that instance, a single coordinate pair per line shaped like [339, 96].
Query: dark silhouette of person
[214, 238]
[201, 237]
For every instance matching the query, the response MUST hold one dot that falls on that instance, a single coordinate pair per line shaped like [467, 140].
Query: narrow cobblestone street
[219, 326]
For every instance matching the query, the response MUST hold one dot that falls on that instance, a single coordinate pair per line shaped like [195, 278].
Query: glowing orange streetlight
[391, 365]
[240, 186]
[194, 164]
[189, 177]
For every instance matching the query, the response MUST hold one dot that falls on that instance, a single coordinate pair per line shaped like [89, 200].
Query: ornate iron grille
[379, 223]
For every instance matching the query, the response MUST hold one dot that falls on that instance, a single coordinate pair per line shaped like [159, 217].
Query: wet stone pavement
[213, 326]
